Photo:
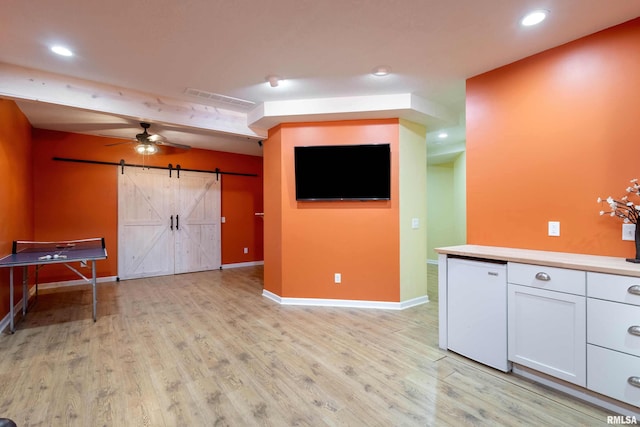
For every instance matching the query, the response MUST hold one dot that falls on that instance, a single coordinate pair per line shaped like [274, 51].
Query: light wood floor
[207, 349]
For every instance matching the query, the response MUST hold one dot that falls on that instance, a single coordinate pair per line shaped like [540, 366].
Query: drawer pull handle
[634, 381]
[635, 289]
[543, 276]
[634, 330]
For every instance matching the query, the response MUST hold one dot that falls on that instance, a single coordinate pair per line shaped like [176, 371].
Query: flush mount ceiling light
[381, 71]
[534, 18]
[273, 81]
[61, 50]
[443, 135]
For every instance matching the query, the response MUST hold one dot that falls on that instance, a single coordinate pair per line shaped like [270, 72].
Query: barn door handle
[171, 227]
[177, 223]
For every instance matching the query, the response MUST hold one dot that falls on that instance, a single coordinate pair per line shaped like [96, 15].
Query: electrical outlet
[337, 278]
[554, 228]
[246, 250]
[223, 220]
[629, 232]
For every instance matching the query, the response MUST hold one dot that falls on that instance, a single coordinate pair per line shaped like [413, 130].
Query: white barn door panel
[198, 226]
[145, 243]
[167, 225]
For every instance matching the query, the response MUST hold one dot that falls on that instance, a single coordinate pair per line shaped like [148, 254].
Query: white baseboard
[76, 282]
[242, 264]
[322, 302]
[576, 391]
[6, 320]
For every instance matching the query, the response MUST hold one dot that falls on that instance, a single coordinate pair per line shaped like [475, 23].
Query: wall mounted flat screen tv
[343, 172]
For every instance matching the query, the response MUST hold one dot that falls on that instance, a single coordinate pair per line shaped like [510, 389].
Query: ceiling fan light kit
[146, 149]
[148, 143]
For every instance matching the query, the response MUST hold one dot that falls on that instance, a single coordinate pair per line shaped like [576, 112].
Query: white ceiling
[134, 59]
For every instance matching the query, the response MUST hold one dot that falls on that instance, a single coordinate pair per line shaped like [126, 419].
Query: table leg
[11, 310]
[93, 283]
[25, 291]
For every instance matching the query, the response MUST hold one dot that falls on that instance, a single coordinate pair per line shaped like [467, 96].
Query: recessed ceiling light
[273, 81]
[443, 135]
[61, 50]
[534, 18]
[381, 71]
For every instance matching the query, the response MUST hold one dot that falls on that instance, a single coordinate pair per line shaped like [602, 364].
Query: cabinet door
[145, 238]
[547, 332]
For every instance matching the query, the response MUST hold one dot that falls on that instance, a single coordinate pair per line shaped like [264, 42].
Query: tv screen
[343, 172]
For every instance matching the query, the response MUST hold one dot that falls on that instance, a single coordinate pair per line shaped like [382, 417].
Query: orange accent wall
[307, 242]
[16, 191]
[74, 200]
[547, 136]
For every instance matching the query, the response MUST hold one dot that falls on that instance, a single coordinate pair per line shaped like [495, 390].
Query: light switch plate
[554, 228]
[629, 232]
[415, 223]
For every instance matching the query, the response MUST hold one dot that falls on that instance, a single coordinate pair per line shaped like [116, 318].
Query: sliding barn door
[198, 232]
[167, 225]
[145, 240]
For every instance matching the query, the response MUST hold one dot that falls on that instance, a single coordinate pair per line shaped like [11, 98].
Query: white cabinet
[613, 325]
[547, 320]
[566, 322]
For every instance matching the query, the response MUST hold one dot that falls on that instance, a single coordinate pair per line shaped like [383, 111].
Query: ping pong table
[39, 254]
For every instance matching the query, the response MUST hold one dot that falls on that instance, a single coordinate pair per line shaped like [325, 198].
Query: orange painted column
[306, 243]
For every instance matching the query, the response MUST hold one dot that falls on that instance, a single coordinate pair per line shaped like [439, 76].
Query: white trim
[414, 302]
[323, 302]
[432, 261]
[54, 285]
[576, 391]
[242, 264]
[6, 320]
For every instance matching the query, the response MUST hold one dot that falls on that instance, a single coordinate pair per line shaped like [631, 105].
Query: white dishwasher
[477, 310]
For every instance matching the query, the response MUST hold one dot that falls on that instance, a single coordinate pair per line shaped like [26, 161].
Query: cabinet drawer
[608, 325]
[608, 373]
[550, 278]
[614, 288]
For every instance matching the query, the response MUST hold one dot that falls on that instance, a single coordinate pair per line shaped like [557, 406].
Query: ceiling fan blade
[117, 143]
[173, 144]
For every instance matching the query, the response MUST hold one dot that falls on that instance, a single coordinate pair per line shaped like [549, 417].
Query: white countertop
[602, 264]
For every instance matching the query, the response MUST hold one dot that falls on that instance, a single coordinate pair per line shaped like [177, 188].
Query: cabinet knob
[634, 330]
[634, 381]
[543, 276]
[635, 289]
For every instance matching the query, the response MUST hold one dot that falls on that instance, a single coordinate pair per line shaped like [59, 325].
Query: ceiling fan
[148, 143]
